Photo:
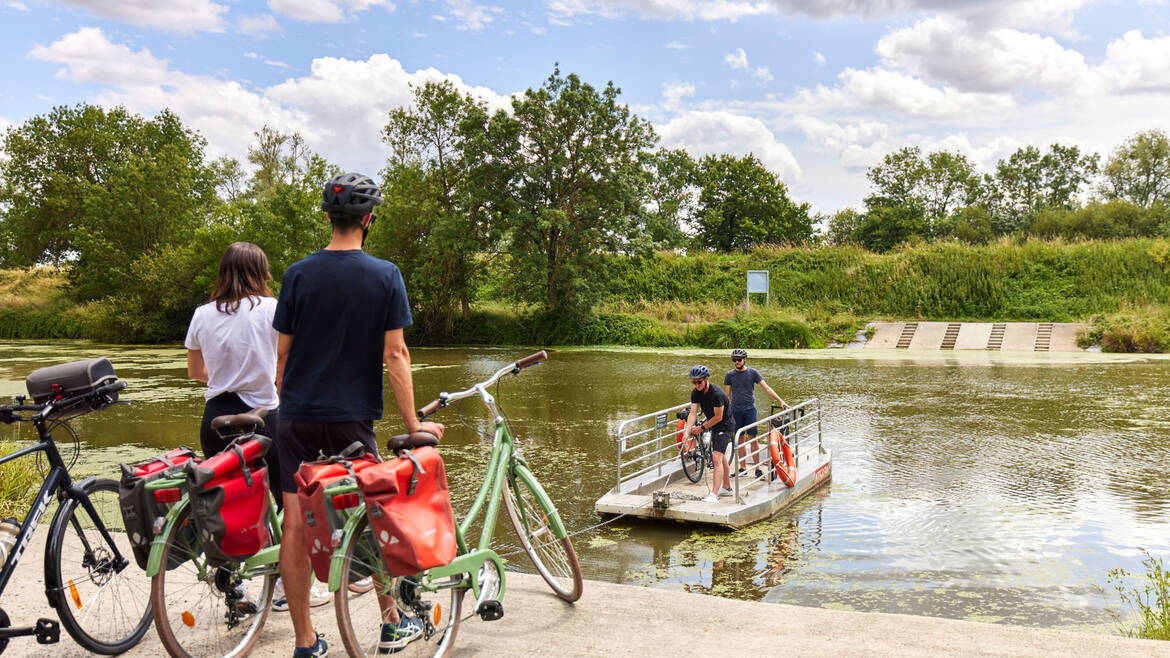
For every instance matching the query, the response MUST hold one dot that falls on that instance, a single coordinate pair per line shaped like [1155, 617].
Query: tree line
[523, 205]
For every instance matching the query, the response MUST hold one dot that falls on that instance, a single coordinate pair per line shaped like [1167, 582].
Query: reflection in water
[979, 486]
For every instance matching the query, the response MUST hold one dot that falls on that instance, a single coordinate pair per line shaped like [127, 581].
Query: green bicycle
[436, 596]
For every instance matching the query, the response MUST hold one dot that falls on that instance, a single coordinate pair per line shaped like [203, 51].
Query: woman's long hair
[243, 272]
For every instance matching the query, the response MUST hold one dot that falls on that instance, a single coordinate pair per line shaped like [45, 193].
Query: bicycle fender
[554, 517]
[160, 540]
[337, 561]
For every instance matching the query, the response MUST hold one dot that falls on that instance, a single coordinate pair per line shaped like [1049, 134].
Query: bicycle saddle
[412, 440]
[251, 418]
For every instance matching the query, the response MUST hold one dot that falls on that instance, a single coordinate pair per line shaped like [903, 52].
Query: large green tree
[924, 190]
[437, 229]
[743, 204]
[98, 188]
[1028, 182]
[1139, 170]
[569, 187]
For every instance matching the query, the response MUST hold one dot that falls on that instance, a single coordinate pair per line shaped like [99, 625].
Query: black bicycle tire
[690, 456]
[54, 581]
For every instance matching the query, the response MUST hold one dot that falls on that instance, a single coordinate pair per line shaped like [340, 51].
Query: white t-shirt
[239, 350]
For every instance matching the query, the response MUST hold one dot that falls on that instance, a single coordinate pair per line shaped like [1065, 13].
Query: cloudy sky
[819, 90]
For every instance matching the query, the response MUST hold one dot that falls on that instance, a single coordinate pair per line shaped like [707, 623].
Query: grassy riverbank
[820, 295]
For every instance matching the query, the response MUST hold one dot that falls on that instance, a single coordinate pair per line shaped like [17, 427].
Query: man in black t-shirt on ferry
[714, 405]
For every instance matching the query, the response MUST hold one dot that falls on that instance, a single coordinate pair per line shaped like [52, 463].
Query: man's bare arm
[769, 390]
[283, 345]
[397, 358]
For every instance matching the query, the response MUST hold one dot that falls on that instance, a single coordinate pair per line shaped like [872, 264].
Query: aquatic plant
[1149, 600]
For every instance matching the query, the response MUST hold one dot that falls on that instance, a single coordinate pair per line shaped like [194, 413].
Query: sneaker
[759, 473]
[396, 637]
[726, 492]
[711, 498]
[245, 605]
[318, 596]
[319, 649]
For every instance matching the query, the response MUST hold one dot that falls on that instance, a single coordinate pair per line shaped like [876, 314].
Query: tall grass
[19, 482]
[1148, 600]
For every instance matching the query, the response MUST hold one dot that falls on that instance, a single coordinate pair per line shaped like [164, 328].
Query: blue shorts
[742, 417]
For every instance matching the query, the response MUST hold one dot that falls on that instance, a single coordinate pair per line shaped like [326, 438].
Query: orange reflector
[436, 613]
[188, 619]
[76, 596]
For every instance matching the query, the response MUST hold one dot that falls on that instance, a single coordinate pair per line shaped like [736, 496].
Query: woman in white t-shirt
[231, 346]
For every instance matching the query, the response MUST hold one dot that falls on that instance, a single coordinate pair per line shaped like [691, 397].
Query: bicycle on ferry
[435, 595]
[98, 594]
[695, 452]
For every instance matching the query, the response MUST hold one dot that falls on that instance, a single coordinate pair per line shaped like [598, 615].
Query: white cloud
[251, 55]
[762, 74]
[736, 59]
[818, 58]
[87, 55]
[471, 16]
[1052, 15]
[674, 92]
[20, 6]
[676, 45]
[714, 132]
[172, 16]
[325, 11]
[882, 88]
[258, 24]
[857, 145]
[5, 124]
[277, 63]
[341, 125]
[998, 60]
[1134, 63]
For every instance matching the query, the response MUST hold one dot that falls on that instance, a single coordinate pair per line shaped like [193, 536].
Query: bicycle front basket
[67, 380]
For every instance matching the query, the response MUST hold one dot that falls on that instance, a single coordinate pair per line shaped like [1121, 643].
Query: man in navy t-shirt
[740, 383]
[339, 317]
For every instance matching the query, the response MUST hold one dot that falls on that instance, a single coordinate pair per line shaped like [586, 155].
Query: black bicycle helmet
[699, 372]
[350, 194]
[739, 353]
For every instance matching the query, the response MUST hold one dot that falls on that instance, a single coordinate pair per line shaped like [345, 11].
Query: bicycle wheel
[553, 557]
[106, 611]
[692, 460]
[360, 616]
[202, 610]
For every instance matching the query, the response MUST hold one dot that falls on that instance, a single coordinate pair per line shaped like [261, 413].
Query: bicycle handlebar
[514, 368]
[8, 412]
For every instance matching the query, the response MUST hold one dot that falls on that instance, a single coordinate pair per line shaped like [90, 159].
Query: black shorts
[720, 440]
[212, 443]
[306, 441]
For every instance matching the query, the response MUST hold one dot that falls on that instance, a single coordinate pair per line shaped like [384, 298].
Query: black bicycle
[694, 451]
[102, 599]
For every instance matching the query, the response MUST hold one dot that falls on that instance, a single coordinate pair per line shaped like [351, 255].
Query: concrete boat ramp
[652, 484]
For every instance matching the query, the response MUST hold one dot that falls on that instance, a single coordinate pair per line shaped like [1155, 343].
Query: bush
[19, 482]
[762, 330]
[1144, 329]
[1150, 601]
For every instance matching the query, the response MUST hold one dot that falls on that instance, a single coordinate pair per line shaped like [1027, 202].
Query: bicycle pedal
[490, 610]
[48, 631]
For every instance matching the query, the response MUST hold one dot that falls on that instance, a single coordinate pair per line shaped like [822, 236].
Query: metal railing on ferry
[649, 444]
[800, 426]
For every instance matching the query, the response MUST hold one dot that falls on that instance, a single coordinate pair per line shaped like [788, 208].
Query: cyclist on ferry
[339, 317]
[713, 402]
[740, 385]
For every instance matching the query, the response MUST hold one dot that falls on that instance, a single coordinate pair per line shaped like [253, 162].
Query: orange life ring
[689, 445]
[784, 467]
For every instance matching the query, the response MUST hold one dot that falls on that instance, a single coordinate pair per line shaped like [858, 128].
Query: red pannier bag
[229, 500]
[409, 507]
[140, 507]
[322, 512]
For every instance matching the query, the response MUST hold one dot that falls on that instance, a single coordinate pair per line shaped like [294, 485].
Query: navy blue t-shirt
[338, 306]
[743, 387]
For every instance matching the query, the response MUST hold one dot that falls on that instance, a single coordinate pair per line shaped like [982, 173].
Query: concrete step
[995, 341]
[907, 335]
[951, 336]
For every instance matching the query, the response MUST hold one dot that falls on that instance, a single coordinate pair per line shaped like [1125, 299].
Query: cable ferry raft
[662, 474]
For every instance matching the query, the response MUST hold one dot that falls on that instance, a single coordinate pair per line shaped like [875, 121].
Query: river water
[982, 486]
